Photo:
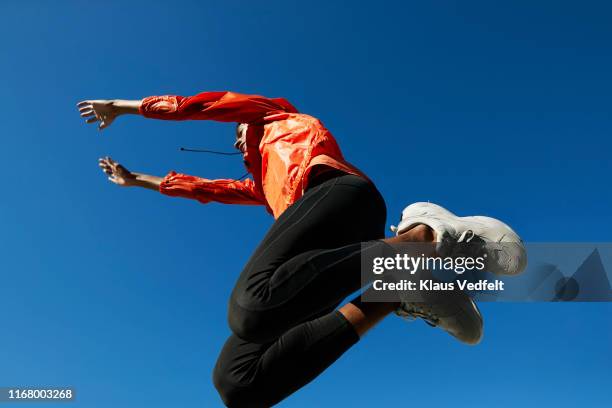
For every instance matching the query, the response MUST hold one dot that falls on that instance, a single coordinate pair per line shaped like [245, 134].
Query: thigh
[341, 211]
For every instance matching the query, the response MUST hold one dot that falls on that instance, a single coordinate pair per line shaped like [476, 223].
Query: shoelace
[464, 236]
[469, 244]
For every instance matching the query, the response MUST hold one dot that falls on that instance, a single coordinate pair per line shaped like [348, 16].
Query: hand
[117, 173]
[100, 110]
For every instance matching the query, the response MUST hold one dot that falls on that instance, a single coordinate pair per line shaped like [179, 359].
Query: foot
[502, 248]
[452, 311]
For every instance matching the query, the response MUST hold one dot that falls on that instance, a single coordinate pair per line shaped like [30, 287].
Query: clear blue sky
[483, 107]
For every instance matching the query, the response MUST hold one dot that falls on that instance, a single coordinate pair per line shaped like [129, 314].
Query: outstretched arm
[182, 185]
[219, 106]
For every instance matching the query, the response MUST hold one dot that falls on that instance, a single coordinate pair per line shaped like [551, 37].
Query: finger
[87, 113]
[103, 124]
[112, 179]
[106, 168]
[87, 106]
[92, 119]
[83, 103]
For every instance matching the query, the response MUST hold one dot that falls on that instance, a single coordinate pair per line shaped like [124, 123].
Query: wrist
[123, 106]
[146, 181]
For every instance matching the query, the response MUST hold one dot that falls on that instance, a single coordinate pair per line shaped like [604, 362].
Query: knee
[233, 395]
[226, 390]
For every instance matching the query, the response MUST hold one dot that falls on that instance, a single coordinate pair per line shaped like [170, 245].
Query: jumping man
[283, 312]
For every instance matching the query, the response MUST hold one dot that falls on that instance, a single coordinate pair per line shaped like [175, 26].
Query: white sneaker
[502, 248]
[454, 312]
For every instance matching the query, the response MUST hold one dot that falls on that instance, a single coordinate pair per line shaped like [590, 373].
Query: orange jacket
[283, 146]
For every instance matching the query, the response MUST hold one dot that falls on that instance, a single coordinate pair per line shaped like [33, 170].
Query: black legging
[282, 309]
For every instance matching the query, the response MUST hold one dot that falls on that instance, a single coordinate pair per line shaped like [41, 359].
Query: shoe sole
[457, 314]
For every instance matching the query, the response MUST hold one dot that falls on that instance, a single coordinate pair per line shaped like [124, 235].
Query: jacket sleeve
[219, 106]
[204, 190]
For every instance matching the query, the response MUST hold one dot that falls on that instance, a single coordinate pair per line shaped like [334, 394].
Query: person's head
[241, 131]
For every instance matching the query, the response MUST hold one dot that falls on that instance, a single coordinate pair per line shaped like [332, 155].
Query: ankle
[422, 233]
[365, 315]
[418, 233]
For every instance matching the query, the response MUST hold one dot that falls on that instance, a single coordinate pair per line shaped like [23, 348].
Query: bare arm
[106, 111]
[123, 177]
